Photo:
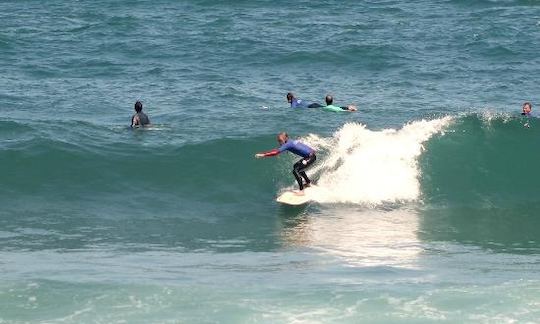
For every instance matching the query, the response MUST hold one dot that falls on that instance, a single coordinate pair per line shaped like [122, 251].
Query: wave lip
[372, 167]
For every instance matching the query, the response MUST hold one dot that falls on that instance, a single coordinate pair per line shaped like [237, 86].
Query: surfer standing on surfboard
[298, 148]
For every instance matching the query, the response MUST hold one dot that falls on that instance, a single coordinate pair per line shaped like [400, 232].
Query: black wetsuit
[299, 169]
[143, 119]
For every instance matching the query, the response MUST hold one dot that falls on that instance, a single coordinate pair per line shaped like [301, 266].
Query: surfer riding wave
[300, 167]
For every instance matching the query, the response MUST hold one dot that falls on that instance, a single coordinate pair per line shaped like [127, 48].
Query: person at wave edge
[527, 112]
[299, 168]
[527, 109]
[140, 118]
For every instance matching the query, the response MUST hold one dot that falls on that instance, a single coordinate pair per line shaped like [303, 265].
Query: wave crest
[372, 167]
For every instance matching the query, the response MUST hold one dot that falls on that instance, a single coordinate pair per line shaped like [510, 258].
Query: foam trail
[372, 167]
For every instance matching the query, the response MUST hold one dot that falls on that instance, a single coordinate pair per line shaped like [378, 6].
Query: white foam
[371, 167]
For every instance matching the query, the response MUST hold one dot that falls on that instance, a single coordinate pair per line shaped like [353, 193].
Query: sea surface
[427, 206]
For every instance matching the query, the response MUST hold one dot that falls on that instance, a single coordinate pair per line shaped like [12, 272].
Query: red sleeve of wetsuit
[271, 153]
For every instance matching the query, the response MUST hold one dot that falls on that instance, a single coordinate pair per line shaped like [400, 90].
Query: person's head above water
[138, 106]
[290, 97]
[527, 107]
[282, 138]
[329, 100]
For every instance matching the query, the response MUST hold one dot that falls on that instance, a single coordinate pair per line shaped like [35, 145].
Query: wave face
[478, 159]
[482, 160]
[93, 164]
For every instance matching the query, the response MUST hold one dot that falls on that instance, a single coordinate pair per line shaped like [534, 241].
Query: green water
[428, 208]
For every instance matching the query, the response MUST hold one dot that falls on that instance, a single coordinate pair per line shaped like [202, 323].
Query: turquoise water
[426, 209]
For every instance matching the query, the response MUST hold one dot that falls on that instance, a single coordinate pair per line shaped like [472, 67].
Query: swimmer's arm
[267, 154]
[348, 108]
[134, 120]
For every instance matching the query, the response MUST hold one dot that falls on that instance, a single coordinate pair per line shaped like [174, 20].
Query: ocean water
[426, 208]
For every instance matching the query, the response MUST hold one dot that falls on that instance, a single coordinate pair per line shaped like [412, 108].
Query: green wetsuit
[334, 108]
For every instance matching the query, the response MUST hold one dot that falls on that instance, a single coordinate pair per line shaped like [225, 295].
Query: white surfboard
[290, 198]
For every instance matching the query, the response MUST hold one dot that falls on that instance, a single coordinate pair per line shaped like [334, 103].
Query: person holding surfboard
[140, 118]
[300, 149]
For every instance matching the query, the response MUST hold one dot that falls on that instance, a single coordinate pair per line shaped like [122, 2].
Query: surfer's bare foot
[307, 185]
[299, 193]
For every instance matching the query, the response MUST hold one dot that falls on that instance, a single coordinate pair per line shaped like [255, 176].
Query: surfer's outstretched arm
[284, 146]
[267, 154]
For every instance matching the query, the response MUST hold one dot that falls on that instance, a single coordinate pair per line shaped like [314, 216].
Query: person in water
[330, 106]
[140, 118]
[527, 112]
[298, 148]
[527, 109]
[299, 103]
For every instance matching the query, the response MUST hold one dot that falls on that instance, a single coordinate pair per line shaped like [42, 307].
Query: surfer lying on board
[298, 148]
[330, 107]
[299, 103]
[140, 118]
